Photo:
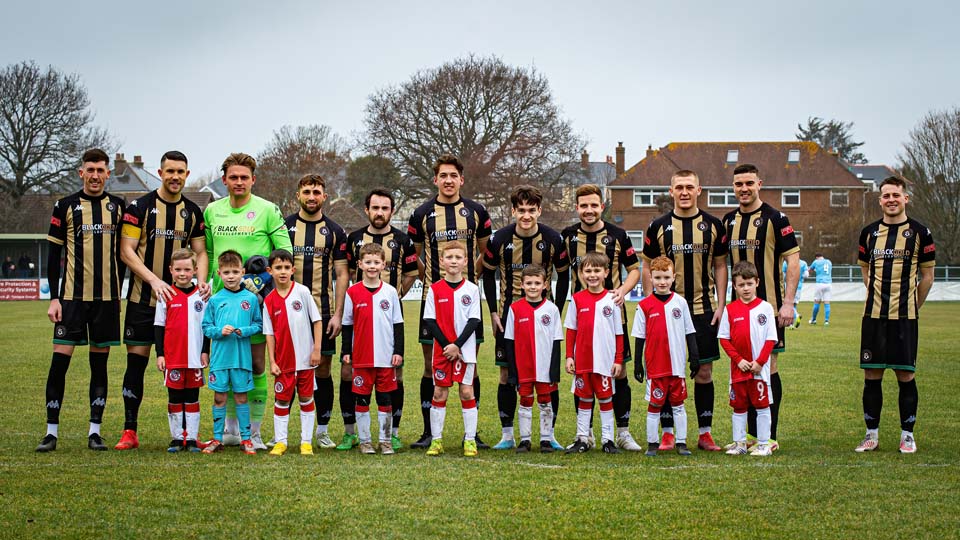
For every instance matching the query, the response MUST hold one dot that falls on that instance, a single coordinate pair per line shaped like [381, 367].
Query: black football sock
[347, 403]
[132, 390]
[507, 404]
[752, 421]
[396, 397]
[776, 392]
[555, 403]
[908, 404]
[476, 390]
[872, 402]
[426, 399]
[323, 396]
[56, 382]
[98, 385]
[621, 402]
[666, 415]
[703, 400]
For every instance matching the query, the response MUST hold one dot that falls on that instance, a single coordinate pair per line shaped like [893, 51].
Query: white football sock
[680, 422]
[525, 419]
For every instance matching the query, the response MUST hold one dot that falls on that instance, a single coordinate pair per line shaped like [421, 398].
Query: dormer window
[733, 156]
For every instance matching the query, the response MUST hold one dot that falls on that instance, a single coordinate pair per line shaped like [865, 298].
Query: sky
[214, 77]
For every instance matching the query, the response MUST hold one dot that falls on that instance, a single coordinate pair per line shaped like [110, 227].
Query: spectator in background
[23, 265]
[8, 267]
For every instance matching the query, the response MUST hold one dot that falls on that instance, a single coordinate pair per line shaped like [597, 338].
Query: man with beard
[154, 226]
[320, 259]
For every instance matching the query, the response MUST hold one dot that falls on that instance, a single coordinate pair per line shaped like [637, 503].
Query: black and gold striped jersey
[400, 255]
[762, 237]
[89, 229]
[160, 228]
[434, 223]
[692, 243]
[509, 253]
[891, 256]
[319, 247]
[609, 240]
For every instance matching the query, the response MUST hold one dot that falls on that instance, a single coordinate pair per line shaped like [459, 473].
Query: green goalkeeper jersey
[256, 228]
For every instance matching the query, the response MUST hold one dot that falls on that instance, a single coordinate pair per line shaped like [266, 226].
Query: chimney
[649, 150]
[585, 160]
[119, 165]
[621, 156]
[138, 161]
[609, 160]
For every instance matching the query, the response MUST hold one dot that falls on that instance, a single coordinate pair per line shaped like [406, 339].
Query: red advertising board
[19, 289]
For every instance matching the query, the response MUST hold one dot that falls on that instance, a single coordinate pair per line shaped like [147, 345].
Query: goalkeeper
[251, 226]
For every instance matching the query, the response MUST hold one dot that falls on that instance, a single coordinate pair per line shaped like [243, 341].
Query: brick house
[822, 198]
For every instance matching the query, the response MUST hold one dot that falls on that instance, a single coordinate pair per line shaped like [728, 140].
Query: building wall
[830, 230]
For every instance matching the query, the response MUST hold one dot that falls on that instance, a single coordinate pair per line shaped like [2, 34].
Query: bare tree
[500, 120]
[833, 135]
[930, 160]
[45, 126]
[369, 172]
[296, 151]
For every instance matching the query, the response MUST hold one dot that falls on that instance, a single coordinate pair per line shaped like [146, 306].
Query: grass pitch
[814, 487]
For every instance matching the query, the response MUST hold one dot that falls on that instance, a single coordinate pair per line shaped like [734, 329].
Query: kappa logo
[358, 381]
[431, 215]
[198, 306]
[657, 394]
[174, 375]
[99, 402]
[278, 388]
[668, 228]
[761, 319]
[297, 305]
[676, 313]
[292, 229]
[55, 404]
[153, 210]
[607, 311]
[385, 305]
[127, 393]
[508, 247]
[78, 208]
[245, 305]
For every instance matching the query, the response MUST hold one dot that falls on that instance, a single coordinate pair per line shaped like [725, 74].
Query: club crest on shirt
[198, 306]
[245, 305]
[174, 375]
[251, 214]
[540, 245]
[358, 381]
[907, 233]
[297, 305]
[278, 388]
[677, 313]
[466, 300]
[111, 207]
[605, 240]
[607, 311]
[385, 305]
[758, 222]
[546, 320]
[184, 213]
[761, 319]
[702, 226]
[324, 231]
[464, 212]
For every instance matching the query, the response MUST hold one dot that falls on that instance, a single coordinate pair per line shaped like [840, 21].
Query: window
[799, 236]
[790, 198]
[647, 197]
[828, 240]
[724, 197]
[839, 197]
[636, 239]
[733, 156]
[793, 156]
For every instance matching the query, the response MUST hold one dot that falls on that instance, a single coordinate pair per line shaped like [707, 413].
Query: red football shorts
[445, 372]
[542, 389]
[183, 379]
[662, 388]
[751, 392]
[365, 379]
[588, 385]
[302, 380]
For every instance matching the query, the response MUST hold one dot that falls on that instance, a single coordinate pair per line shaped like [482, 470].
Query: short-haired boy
[748, 333]
[291, 324]
[373, 344]
[663, 324]
[232, 316]
[452, 314]
[594, 350]
[182, 351]
[532, 335]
